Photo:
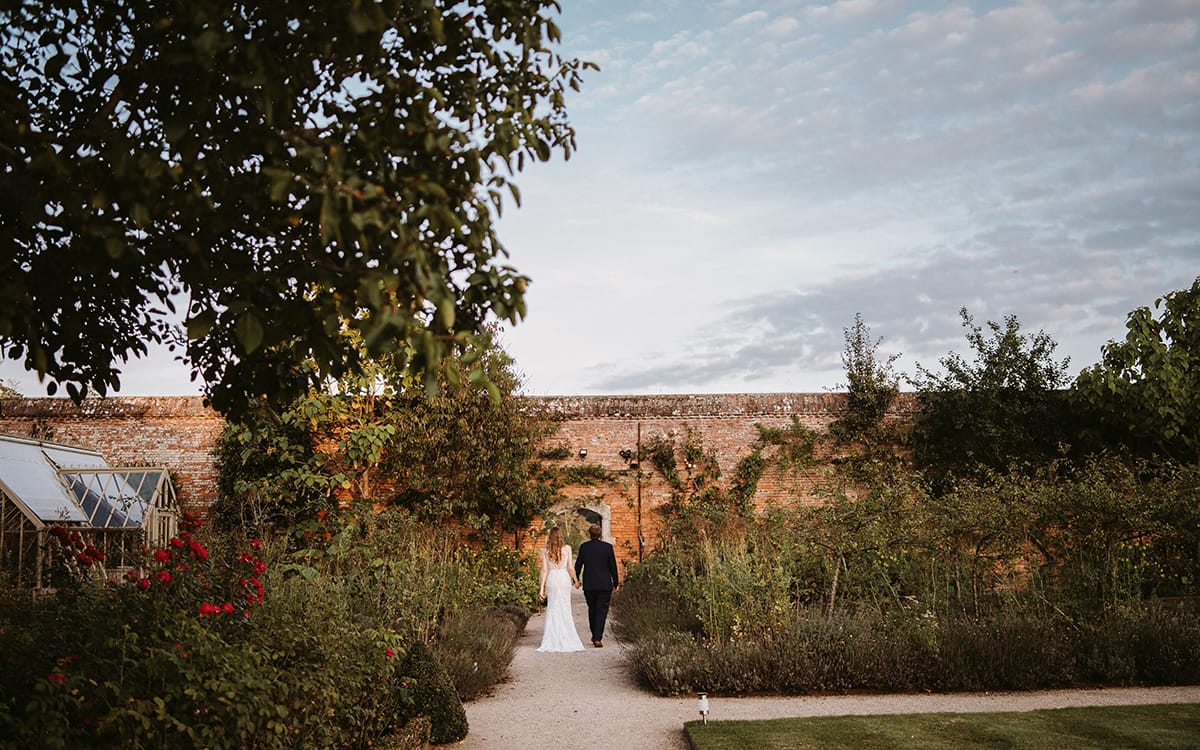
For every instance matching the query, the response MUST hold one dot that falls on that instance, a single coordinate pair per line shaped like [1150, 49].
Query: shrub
[1006, 654]
[476, 647]
[187, 651]
[432, 695]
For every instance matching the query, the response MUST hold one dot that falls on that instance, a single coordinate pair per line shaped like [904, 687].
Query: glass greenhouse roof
[29, 474]
[74, 486]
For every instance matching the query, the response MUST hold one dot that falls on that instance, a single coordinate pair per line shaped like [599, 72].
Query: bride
[557, 577]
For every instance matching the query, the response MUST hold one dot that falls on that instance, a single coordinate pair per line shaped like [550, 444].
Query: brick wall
[180, 432]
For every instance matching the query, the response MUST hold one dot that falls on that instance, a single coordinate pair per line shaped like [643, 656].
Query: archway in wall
[575, 516]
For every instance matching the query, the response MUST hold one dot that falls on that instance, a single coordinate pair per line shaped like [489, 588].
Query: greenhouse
[52, 490]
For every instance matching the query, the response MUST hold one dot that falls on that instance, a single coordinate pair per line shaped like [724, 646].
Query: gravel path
[552, 701]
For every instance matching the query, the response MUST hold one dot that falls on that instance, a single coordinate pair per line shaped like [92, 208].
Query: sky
[751, 174]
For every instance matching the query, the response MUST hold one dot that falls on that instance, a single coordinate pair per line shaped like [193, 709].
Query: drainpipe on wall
[641, 536]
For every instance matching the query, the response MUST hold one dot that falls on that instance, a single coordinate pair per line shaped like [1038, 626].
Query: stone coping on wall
[114, 407]
[556, 407]
[703, 405]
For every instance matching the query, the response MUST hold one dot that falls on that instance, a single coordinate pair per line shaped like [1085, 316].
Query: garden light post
[702, 704]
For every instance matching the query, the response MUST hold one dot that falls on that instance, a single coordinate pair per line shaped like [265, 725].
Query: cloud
[797, 334]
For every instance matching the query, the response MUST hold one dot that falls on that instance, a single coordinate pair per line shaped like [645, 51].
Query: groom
[596, 566]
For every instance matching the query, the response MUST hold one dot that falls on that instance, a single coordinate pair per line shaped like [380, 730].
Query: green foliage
[461, 454]
[862, 650]
[270, 474]
[585, 474]
[1145, 391]
[659, 452]
[1003, 408]
[187, 652]
[433, 695]
[557, 453]
[282, 169]
[475, 647]
[468, 455]
[872, 386]
[184, 653]
[1007, 581]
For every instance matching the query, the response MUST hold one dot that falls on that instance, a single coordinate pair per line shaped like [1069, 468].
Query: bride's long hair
[554, 545]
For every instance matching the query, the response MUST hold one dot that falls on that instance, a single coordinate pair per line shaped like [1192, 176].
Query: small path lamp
[702, 704]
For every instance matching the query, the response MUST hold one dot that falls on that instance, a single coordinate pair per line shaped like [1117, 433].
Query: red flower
[190, 522]
[163, 575]
[256, 543]
[143, 583]
[162, 555]
[57, 678]
[227, 607]
[198, 550]
[389, 653]
[95, 553]
[176, 542]
[207, 609]
[83, 559]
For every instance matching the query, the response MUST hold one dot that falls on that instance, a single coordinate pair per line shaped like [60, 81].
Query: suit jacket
[596, 566]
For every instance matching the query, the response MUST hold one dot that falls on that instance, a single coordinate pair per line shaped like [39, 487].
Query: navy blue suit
[596, 568]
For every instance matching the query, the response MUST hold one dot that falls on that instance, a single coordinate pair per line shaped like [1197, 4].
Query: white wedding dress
[559, 633]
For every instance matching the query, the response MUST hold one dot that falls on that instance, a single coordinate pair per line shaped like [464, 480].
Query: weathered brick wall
[726, 424]
[180, 432]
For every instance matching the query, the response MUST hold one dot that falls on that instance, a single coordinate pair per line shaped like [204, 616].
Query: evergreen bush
[433, 695]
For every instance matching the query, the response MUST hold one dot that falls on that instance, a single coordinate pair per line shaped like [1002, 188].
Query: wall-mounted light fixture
[582, 453]
[628, 457]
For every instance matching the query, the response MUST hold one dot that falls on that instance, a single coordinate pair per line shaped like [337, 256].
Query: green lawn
[1162, 726]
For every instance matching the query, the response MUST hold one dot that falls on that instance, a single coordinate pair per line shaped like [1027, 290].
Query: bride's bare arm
[571, 568]
[544, 566]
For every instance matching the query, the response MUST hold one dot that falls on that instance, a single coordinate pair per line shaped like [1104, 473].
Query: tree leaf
[249, 332]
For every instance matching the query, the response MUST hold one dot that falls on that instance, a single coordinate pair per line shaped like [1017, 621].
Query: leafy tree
[1146, 389]
[872, 385]
[1002, 408]
[469, 452]
[238, 180]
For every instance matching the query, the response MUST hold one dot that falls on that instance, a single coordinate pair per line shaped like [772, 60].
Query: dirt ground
[555, 701]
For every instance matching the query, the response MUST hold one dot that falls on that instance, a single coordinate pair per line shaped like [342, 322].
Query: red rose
[227, 607]
[198, 550]
[256, 543]
[163, 575]
[162, 555]
[57, 678]
[389, 653]
[176, 542]
[143, 583]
